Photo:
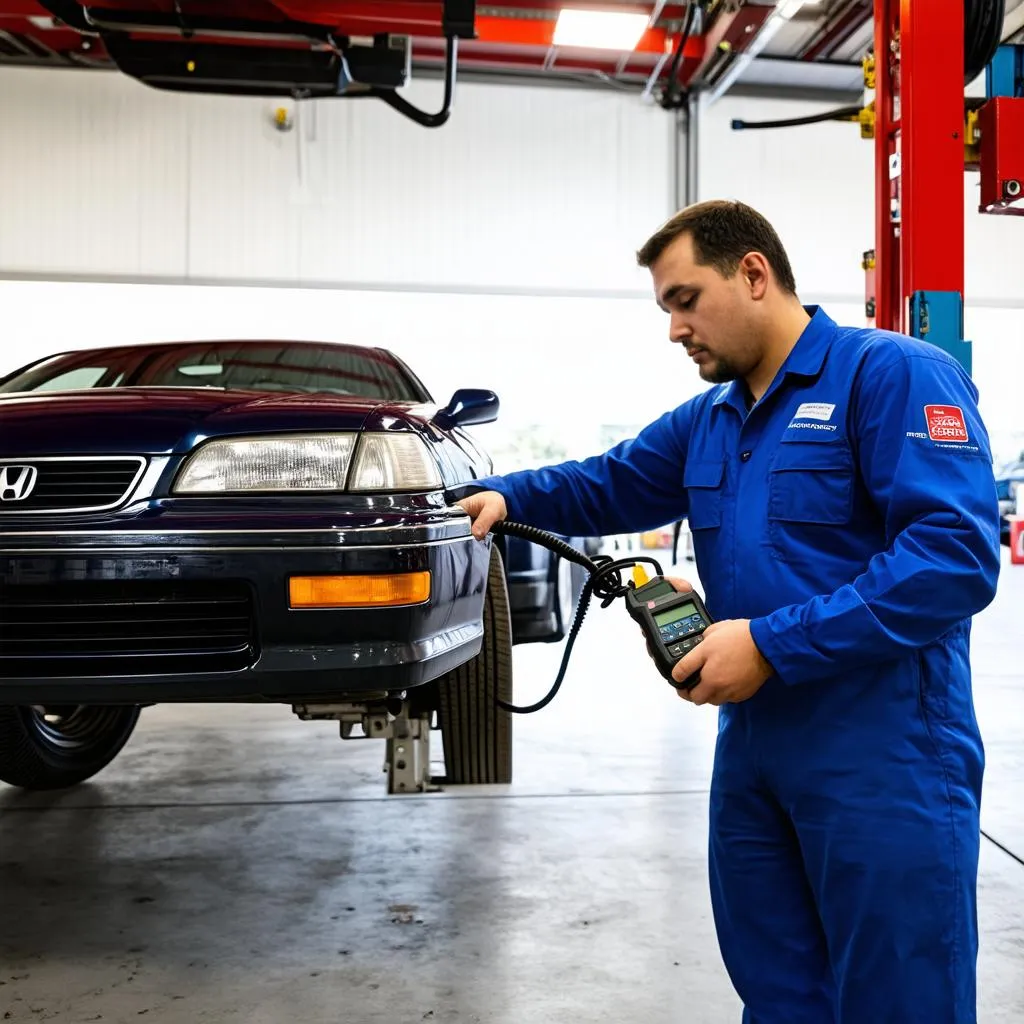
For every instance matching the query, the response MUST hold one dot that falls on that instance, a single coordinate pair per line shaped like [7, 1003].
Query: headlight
[317, 462]
[314, 463]
[394, 462]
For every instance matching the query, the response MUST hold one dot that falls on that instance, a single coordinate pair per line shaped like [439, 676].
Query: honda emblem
[17, 482]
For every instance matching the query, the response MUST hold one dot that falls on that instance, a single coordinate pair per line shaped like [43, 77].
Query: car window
[83, 377]
[69, 372]
[281, 367]
[289, 367]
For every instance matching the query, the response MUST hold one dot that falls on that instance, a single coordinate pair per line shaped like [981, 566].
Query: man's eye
[689, 303]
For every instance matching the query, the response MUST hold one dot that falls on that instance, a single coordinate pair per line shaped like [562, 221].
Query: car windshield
[254, 366]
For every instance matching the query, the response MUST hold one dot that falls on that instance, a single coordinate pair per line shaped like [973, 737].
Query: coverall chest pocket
[703, 483]
[811, 483]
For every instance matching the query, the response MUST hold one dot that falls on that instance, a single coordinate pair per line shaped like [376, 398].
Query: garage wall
[496, 251]
[524, 188]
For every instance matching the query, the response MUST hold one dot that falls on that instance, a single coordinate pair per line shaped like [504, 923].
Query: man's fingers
[700, 694]
[485, 509]
[683, 586]
[689, 663]
[483, 523]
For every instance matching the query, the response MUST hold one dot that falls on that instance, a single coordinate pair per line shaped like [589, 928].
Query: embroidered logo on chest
[946, 423]
[818, 412]
[815, 411]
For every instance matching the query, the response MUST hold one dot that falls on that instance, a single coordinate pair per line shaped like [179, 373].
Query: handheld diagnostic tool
[673, 623]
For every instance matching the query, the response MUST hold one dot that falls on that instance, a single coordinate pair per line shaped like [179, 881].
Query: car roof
[152, 346]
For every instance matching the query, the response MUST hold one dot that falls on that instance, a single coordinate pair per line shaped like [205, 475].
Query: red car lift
[915, 280]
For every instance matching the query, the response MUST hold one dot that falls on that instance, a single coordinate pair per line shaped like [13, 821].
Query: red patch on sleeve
[946, 423]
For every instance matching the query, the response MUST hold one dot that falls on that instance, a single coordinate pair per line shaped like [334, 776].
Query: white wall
[524, 187]
[542, 194]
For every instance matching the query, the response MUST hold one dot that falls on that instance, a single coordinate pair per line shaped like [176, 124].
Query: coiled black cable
[604, 582]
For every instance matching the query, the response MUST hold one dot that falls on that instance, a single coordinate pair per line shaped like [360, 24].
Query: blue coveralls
[852, 517]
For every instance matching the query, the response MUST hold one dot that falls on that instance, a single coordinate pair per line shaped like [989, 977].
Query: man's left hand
[731, 667]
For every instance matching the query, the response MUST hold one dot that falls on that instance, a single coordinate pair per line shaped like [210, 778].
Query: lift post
[919, 171]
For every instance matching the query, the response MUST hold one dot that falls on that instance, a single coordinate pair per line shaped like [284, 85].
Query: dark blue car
[252, 521]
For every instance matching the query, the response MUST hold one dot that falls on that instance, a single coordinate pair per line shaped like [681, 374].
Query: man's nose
[678, 329]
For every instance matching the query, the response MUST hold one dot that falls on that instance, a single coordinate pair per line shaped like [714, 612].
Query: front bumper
[189, 608]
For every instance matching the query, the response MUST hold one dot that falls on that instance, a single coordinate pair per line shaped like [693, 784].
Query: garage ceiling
[296, 47]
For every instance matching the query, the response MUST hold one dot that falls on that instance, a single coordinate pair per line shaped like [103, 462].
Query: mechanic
[839, 488]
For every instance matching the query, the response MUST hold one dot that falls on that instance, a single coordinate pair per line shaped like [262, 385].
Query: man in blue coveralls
[839, 487]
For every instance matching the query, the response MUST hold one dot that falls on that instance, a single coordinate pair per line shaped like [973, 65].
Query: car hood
[159, 421]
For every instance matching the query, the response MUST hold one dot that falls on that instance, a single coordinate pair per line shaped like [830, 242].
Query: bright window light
[600, 30]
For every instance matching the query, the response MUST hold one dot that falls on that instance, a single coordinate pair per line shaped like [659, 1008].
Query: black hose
[403, 106]
[983, 31]
[839, 114]
[669, 101]
[604, 582]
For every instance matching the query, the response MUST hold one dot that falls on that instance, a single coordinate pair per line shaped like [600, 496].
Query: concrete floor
[240, 865]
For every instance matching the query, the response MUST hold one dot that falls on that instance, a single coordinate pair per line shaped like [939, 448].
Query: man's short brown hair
[723, 232]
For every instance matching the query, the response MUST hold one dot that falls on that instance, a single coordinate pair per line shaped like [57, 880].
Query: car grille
[74, 484]
[125, 627]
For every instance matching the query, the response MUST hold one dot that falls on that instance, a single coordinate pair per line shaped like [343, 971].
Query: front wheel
[476, 733]
[57, 746]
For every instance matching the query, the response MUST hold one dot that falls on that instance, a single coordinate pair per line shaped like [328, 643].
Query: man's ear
[756, 274]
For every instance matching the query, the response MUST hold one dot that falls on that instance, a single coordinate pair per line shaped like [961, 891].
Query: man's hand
[485, 509]
[731, 667]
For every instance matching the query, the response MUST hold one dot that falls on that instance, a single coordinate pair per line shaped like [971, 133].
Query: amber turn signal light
[358, 591]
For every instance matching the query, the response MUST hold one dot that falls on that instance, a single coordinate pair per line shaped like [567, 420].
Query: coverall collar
[806, 360]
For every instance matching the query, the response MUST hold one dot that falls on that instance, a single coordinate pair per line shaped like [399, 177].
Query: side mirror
[469, 406]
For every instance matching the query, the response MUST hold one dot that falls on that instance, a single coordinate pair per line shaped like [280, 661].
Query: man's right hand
[485, 509]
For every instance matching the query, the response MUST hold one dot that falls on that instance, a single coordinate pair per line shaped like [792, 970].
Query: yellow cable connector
[640, 576]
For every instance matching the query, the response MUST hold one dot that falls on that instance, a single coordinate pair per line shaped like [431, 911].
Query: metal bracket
[407, 756]
[406, 736]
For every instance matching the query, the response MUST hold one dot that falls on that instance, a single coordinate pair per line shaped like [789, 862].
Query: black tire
[983, 29]
[476, 733]
[57, 747]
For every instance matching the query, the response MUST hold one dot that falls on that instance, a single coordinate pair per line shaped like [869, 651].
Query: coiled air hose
[603, 581]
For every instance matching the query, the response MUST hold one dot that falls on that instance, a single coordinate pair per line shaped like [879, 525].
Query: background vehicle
[1009, 482]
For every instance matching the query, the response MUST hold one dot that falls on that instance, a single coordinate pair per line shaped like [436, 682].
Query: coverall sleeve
[637, 485]
[938, 500]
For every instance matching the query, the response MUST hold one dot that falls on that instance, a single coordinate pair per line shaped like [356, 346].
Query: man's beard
[719, 371]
